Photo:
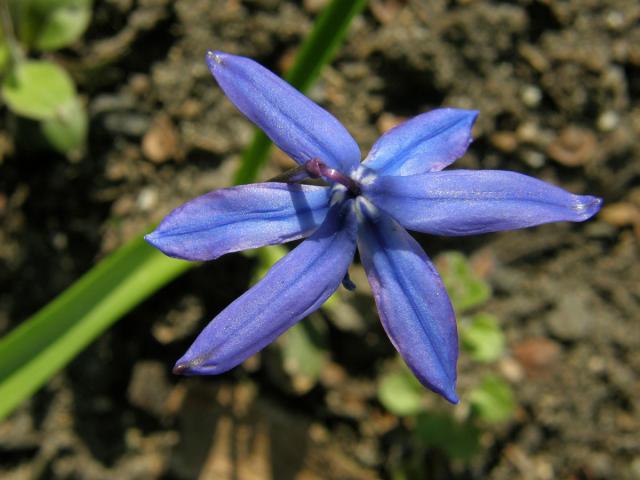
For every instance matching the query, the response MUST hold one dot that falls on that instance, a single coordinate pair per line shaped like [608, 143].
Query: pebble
[537, 355]
[574, 146]
[531, 95]
[149, 387]
[607, 121]
[160, 142]
[147, 199]
[504, 141]
[573, 318]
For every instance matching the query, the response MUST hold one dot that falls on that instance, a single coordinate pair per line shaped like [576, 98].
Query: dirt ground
[558, 86]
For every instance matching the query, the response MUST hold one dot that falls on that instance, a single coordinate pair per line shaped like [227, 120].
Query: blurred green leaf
[4, 53]
[51, 24]
[38, 89]
[67, 131]
[465, 288]
[267, 257]
[401, 393]
[442, 431]
[483, 338]
[493, 400]
[35, 350]
[304, 352]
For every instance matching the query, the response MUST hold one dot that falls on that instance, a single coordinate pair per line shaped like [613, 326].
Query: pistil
[316, 169]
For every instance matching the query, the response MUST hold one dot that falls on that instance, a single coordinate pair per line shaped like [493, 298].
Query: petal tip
[180, 368]
[152, 238]
[215, 58]
[451, 396]
[587, 206]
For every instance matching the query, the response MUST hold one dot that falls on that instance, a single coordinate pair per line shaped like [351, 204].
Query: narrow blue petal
[296, 124]
[239, 218]
[426, 143]
[294, 287]
[465, 202]
[412, 302]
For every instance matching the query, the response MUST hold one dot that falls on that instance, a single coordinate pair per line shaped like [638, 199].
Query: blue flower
[400, 185]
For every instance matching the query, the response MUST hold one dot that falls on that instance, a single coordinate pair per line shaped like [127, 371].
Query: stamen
[316, 169]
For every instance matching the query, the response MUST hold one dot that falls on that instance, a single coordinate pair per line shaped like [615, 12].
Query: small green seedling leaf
[304, 352]
[493, 400]
[67, 130]
[267, 257]
[51, 24]
[482, 338]
[38, 89]
[465, 288]
[401, 393]
[442, 431]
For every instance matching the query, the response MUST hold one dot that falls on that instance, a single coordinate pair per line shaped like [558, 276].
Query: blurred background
[549, 368]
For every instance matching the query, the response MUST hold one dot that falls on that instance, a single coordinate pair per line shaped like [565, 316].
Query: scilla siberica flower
[399, 186]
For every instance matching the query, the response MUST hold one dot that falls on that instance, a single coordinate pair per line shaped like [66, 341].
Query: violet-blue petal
[239, 218]
[294, 287]
[297, 125]
[426, 143]
[465, 202]
[412, 301]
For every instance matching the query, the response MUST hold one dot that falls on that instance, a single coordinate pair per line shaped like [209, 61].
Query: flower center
[316, 169]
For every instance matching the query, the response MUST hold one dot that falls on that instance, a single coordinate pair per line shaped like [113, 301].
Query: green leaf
[465, 288]
[267, 257]
[304, 352]
[39, 347]
[4, 54]
[401, 393]
[67, 131]
[51, 24]
[442, 431]
[38, 89]
[483, 338]
[493, 400]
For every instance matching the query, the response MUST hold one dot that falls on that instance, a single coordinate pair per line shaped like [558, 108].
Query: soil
[558, 87]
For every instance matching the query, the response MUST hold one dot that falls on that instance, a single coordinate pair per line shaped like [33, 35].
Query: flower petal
[465, 202]
[294, 287]
[239, 218]
[426, 143]
[297, 125]
[412, 302]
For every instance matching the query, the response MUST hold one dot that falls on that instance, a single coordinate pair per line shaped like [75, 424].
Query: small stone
[537, 355]
[511, 370]
[533, 159]
[608, 121]
[504, 141]
[531, 95]
[147, 199]
[139, 84]
[160, 143]
[314, 6]
[573, 318]
[149, 388]
[574, 147]
[620, 214]
[126, 123]
[614, 20]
